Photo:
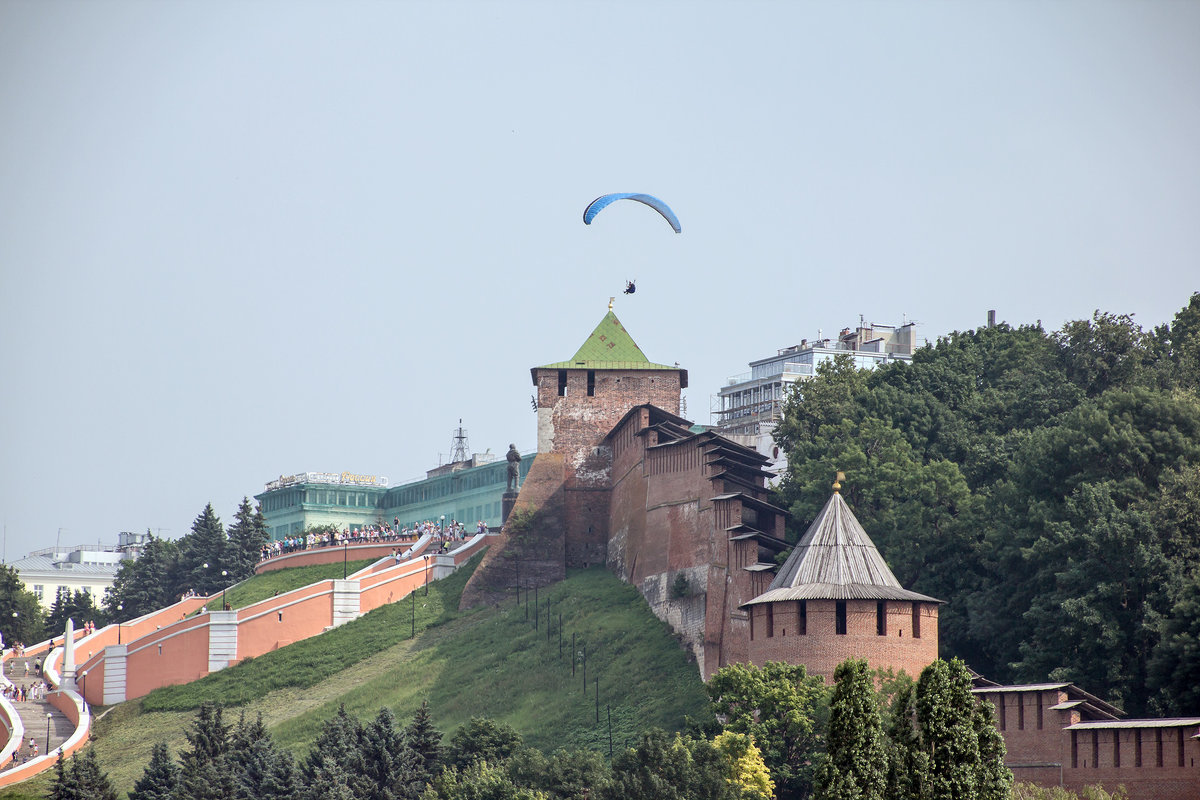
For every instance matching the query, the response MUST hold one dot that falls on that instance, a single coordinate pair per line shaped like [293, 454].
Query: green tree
[392, 769]
[563, 775]
[483, 739]
[478, 781]
[77, 605]
[143, 584]
[93, 783]
[856, 762]
[907, 762]
[63, 786]
[1174, 668]
[202, 556]
[160, 777]
[994, 780]
[964, 756]
[261, 770]
[426, 742]
[335, 767]
[21, 615]
[246, 536]
[665, 768]
[205, 770]
[781, 708]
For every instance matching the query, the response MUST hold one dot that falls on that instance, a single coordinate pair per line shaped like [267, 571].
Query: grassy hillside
[483, 662]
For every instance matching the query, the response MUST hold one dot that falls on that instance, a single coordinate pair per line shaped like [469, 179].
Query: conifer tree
[202, 555]
[77, 605]
[262, 771]
[993, 779]
[63, 785]
[247, 535]
[390, 764]
[426, 742]
[145, 583]
[205, 770]
[945, 715]
[92, 782]
[160, 778]
[906, 761]
[855, 766]
[335, 767]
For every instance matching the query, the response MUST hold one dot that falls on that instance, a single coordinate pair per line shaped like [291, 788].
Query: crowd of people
[369, 534]
[34, 691]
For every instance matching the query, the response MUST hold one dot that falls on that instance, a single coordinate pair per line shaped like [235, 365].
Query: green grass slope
[482, 662]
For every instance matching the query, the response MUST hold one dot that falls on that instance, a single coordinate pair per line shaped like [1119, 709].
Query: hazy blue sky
[239, 240]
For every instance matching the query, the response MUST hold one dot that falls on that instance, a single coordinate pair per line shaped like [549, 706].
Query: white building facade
[749, 405]
[90, 568]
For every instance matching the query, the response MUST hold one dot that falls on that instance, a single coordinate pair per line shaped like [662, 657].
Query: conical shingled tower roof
[836, 560]
[610, 347]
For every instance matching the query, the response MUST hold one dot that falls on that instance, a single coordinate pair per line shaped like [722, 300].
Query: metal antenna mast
[460, 451]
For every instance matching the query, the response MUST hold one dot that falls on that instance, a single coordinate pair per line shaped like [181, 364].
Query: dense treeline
[206, 560]
[781, 735]
[1046, 485]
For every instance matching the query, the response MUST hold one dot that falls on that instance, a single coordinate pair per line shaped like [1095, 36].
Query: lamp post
[120, 608]
[48, 715]
[443, 528]
[426, 557]
[345, 556]
[224, 586]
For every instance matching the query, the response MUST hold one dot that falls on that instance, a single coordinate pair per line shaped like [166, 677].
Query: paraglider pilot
[630, 287]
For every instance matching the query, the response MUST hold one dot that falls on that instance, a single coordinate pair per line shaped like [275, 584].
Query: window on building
[1020, 712]
[591, 386]
[916, 620]
[802, 622]
[562, 383]
[770, 620]
[881, 618]
[38, 590]
[840, 621]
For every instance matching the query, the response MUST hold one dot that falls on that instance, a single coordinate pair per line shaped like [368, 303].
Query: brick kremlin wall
[821, 648]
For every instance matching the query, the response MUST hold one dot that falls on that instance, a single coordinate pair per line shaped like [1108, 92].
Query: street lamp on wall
[224, 586]
[120, 608]
[426, 556]
[48, 715]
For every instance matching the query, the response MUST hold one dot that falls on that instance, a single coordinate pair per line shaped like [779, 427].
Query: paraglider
[602, 202]
[630, 287]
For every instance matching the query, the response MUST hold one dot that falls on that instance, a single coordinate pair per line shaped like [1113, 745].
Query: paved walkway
[33, 712]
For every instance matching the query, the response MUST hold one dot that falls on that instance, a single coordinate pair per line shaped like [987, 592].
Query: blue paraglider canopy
[602, 202]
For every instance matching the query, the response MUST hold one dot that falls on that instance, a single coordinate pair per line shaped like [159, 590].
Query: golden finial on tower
[610, 302]
[837, 482]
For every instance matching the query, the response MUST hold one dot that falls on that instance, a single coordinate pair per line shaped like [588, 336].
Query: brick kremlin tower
[835, 598]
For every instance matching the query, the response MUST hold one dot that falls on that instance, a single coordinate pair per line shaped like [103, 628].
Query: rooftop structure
[751, 403]
[89, 568]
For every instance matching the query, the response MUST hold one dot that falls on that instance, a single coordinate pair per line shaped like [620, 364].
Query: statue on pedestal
[514, 467]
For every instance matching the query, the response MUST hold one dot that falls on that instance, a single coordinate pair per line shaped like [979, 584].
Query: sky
[244, 240]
